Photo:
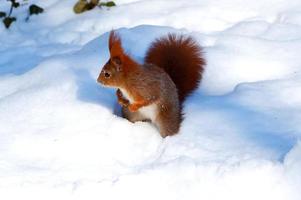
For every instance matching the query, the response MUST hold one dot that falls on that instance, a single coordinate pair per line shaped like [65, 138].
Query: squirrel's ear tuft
[115, 46]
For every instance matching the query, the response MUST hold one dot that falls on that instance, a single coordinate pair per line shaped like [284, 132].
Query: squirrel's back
[181, 58]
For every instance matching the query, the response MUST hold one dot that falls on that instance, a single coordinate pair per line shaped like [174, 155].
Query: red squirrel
[154, 91]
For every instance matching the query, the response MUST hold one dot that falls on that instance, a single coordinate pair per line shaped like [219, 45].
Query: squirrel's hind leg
[168, 122]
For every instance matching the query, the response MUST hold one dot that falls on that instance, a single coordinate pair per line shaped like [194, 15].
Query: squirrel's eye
[107, 75]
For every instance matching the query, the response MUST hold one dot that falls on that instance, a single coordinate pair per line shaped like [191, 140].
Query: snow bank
[61, 136]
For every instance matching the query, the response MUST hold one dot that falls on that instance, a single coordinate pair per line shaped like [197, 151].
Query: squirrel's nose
[99, 78]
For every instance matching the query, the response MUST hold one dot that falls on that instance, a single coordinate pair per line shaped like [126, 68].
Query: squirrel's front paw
[133, 107]
[121, 100]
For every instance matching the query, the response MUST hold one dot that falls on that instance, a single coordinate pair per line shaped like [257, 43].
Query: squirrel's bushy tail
[181, 58]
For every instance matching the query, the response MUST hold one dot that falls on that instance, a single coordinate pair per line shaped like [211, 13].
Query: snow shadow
[18, 63]
[258, 128]
[89, 91]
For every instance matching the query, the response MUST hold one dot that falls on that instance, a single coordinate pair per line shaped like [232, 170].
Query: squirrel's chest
[149, 111]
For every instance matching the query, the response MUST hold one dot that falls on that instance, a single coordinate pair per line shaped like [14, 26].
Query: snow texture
[61, 136]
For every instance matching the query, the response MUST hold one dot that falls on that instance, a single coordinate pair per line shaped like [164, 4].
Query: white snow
[61, 136]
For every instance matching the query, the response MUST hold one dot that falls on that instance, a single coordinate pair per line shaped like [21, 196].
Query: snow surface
[61, 136]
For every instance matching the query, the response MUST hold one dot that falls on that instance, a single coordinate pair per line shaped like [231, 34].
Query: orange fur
[116, 51]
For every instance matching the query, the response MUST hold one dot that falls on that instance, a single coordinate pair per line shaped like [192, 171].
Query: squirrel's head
[112, 74]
